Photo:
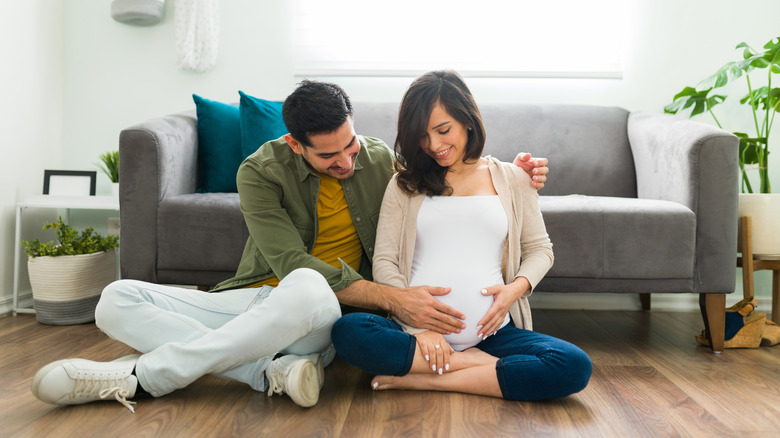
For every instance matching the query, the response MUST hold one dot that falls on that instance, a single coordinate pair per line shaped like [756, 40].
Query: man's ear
[294, 144]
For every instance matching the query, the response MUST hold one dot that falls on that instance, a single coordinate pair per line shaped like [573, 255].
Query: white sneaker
[300, 377]
[78, 381]
[316, 359]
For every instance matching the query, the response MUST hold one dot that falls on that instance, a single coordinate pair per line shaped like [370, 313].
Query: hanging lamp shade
[138, 12]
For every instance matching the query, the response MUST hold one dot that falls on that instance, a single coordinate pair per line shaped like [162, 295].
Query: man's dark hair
[315, 108]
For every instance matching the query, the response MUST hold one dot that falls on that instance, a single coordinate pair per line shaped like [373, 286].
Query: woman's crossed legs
[514, 364]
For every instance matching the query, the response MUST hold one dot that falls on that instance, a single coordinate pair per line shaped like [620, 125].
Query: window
[493, 38]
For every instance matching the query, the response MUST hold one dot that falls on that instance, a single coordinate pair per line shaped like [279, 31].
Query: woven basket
[66, 289]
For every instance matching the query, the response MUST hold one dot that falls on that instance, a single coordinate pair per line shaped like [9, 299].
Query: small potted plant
[110, 166]
[762, 102]
[67, 277]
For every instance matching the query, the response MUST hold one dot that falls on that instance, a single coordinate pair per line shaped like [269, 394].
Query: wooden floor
[650, 379]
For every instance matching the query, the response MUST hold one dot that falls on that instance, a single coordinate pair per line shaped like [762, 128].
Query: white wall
[114, 75]
[30, 115]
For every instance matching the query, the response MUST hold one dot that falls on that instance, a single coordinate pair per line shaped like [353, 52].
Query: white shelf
[71, 202]
[48, 201]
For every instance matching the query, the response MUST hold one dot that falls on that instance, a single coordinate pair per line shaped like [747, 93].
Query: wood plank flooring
[650, 379]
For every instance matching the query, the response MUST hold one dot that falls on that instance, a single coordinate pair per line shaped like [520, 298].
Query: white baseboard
[685, 302]
[7, 302]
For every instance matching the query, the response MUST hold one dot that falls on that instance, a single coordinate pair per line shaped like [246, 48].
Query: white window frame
[483, 38]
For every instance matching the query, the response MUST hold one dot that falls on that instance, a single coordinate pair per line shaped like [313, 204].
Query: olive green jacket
[278, 193]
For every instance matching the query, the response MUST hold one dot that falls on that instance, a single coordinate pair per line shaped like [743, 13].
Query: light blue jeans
[185, 334]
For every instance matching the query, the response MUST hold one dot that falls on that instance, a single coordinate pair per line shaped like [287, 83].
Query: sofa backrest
[587, 146]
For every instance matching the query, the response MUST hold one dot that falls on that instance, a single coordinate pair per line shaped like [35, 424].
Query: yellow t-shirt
[337, 236]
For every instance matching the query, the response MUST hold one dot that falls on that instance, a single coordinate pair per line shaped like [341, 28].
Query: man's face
[333, 154]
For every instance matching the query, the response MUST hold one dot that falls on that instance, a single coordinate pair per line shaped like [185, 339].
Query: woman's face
[445, 139]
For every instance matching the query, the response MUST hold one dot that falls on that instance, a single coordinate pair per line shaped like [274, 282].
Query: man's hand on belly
[418, 307]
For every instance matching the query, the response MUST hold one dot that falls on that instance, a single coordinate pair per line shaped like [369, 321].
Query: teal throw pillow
[219, 145]
[261, 121]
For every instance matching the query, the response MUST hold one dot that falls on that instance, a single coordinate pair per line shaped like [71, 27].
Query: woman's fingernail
[433, 367]
[374, 385]
[428, 358]
[447, 366]
[440, 371]
[484, 291]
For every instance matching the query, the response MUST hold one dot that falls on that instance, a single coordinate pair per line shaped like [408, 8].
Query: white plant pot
[764, 212]
[115, 190]
[66, 289]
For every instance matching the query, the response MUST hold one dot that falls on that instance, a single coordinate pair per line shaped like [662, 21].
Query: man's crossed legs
[185, 334]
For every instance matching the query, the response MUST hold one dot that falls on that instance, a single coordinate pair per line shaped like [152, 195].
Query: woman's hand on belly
[435, 350]
[503, 297]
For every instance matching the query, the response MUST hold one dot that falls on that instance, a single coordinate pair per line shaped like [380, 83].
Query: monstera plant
[763, 103]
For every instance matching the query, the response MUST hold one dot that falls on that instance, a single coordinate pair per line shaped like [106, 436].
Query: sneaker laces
[276, 378]
[104, 388]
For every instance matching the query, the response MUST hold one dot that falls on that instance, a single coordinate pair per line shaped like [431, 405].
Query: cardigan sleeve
[535, 245]
[389, 234]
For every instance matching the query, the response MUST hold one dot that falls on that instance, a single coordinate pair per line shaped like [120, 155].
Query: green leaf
[728, 72]
[748, 51]
[755, 97]
[770, 57]
[750, 148]
[70, 242]
[773, 99]
[764, 97]
[700, 101]
[110, 165]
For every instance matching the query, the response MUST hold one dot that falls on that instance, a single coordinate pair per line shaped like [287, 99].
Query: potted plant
[110, 166]
[763, 103]
[68, 277]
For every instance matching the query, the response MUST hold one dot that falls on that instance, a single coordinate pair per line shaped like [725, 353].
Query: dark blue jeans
[531, 365]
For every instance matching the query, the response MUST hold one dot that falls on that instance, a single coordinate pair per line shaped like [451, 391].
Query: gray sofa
[636, 202]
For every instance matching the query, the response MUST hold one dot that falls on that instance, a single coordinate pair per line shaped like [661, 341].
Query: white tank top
[460, 244]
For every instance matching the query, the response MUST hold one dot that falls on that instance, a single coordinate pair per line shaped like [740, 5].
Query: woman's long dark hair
[417, 171]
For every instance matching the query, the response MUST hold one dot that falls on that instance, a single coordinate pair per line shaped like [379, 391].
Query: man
[310, 201]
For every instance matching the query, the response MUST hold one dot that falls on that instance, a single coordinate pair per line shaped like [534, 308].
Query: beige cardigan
[528, 252]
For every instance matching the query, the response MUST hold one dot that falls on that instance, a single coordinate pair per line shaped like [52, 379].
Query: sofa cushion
[587, 145]
[619, 238]
[219, 145]
[261, 121]
[200, 231]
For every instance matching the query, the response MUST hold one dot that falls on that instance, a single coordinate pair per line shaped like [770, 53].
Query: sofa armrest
[693, 164]
[157, 159]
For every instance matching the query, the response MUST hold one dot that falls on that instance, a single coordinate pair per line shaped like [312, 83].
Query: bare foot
[481, 380]
[409, 381]
[379, 383]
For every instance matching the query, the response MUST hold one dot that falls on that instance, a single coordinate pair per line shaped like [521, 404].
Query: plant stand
[750, 264]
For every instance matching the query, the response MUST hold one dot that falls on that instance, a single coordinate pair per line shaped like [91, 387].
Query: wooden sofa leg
[713, 311]
[644, 300]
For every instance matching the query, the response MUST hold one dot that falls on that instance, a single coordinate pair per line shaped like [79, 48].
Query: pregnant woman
[451, 218]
